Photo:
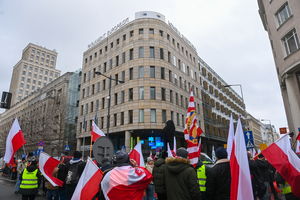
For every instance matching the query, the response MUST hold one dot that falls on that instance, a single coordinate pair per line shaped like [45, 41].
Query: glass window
[153, 115]
[122, 118]
[141, 52]
[161, 53]
[131, 33]
[123, 57]
[141, 92]
[141, 71]
[290, 42]
[151, 31]
[115, 119]
[130, 73]
[152, 71]
[152, 53]
[162, 73]
[163, 94]
[116, 98]
[152, 93]
[161, 33]
[130, 116]
[131, 54]
[283, 14]
[141, 115]
[122, 96]
[130, 94]
[141, 31]
[171, 96]
[164, 116]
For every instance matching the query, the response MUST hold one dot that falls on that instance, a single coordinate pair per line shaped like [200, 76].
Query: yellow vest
[286, 188]
[201, 178]
[29, 180]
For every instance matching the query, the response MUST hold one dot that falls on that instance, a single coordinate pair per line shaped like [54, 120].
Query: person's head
[182, 152]
[23, 160]
[121, 157]
[32, 160]
[150, 161]
[77, 155]
[221, 153]
[164, 154]
[261, 156]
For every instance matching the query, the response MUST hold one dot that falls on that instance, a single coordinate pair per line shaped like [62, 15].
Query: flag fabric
[174, 146]
[137, 155]
[281, 156]
[96, 132]
[125, 183]
[192, 132]
[298, 144]
[241, 187]
[170, 153]
[47, 164]
[230, 137]
[213, 154]
[14, 141]
[88, 184]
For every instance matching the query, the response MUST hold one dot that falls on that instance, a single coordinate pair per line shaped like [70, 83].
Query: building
[157, 67]
[281, 19]
[255, 126]
[35, 70]
[48, 115]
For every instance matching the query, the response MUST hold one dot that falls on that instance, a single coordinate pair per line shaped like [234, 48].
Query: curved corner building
[156, 66]
[281, 19]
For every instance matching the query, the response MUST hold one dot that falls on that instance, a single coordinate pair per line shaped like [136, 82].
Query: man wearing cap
[218, 177]
[181, 178]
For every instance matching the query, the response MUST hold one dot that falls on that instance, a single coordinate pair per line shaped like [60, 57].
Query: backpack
[73, 174]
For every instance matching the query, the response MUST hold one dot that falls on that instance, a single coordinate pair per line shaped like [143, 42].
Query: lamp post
[241, 91]
[109, 97]
[263, 120]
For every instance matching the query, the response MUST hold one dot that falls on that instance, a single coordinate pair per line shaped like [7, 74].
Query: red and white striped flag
[192, 132]
[88, 184]
[241, 187]
[96, 132]
[298, 144]
[125, 183]
[230, 137]
[281, 156]
[170, 154]
[14, 141]
[137, 155]
[47, 164]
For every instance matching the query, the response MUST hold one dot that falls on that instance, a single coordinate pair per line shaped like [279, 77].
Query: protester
[13, 169]
[201, 175]
[30, 180]
[218, 177]
[285, 188]
[61, 173]
[180, 178]
[150, 188]
[20, 168]
[159, 176]
[74, 170]
[52, 191]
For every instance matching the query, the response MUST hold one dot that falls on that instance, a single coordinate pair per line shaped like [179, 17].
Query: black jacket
[159, 176]
[181, 180]
[218, 181]
[31, 168]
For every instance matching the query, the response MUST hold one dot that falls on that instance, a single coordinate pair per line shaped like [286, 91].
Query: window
[152, 93]
[131, 54]
[130, 116]
[170, 76]
[131, 33]
[141, 31]
[123, 76]
[122, 118]
[162, 73]
[172, 115]
[130, 73]
[141, 71]
[103, 102]
[164, 116]
[105, 48]
[110, 63]
[176, 98]
[153, 115]
[152, 71]
[93, 89]
[117, 60]
[168, 37]
[141, 52]
[118, 41]
[283, 14]
[122, 96]
[141, 115]
[115, 119]
[182, 120]
[152, 53]
[130, 94]
[92, 106]
[161, 33]
[161, 53]
[102, 122]
[103, 84]
[169, 56]
[117, 79]
[141, 93]
[124, 37]
[290, 42]
[163, 94]
[123, 57]
[177, 119]
[151, 31]
[98, 87]
[116, 98]
[171, 96]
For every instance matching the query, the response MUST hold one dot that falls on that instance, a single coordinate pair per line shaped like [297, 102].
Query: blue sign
[249, 139]
[67, 148]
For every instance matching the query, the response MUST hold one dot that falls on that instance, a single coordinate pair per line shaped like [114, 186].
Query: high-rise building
[157, 67]
[35, 70]
[281, 19]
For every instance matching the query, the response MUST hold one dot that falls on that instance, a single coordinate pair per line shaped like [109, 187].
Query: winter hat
[149, 159]
[221, 153]
[121, 157]
[182, 152]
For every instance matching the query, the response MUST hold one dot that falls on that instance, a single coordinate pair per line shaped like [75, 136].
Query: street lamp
[263, 120]
[109, 97]
[240, 89]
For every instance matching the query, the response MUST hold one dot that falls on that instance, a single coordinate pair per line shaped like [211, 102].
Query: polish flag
[14, 141]
[230, 137]
[298, 144]
[88, 184]
[174, 146]
[96, 132]
[241, 187]
[281, 156]
[126, 183]
[47, 164]
[137, 155]
[170, 154]
[196, 151]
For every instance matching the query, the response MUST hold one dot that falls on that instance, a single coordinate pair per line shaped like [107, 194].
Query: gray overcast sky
[228, 35]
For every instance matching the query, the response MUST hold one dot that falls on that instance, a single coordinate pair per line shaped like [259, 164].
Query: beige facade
[281, 19]
[35, 70]
[48, 115]
[159, 67]
[255, 126]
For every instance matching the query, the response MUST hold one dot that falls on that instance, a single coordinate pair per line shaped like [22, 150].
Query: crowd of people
[170, 178]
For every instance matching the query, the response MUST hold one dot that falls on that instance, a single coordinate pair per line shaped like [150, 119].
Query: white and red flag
[170, 153]
[96, 132]
[47, 164]
[298, 144]
[281, 156]
[137, 155]
[125, 183]
[14, 141]
[230, 137]
[88, 184]
[241, 187]
[192, 132]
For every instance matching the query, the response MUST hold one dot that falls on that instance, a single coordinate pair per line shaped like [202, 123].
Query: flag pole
[91, 148]
[83, 147]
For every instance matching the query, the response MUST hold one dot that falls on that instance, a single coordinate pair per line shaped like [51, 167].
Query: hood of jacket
[31, 168]
[177, 165]
[159, 162]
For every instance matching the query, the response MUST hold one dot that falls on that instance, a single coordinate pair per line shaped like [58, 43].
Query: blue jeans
[149, 192]
[52, 195]
[18, 183]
